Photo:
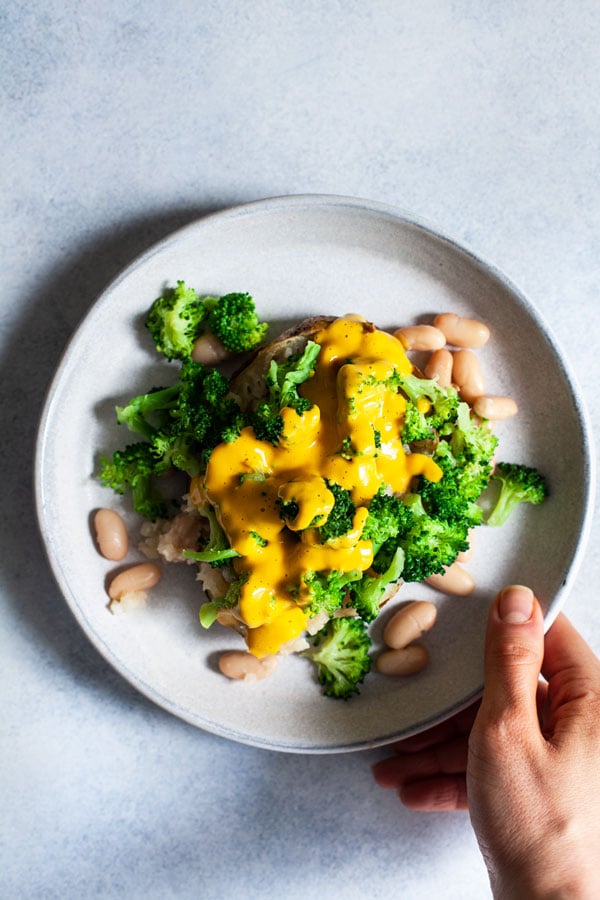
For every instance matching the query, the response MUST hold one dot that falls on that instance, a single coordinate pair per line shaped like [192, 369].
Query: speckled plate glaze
[300, 256]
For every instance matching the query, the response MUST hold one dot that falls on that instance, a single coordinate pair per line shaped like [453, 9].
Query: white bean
[111, 534]
[209, 350]
[406, 661]
[439, 367]
[467, 375]
[455, 580]
[462, 332]
[420, 337]
[136, 578]
[244, 666]
[409, 623]
[495, 408]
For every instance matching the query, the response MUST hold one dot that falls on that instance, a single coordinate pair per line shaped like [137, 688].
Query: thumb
[514, 650]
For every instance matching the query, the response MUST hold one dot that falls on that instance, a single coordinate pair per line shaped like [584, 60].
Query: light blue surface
[124, 121]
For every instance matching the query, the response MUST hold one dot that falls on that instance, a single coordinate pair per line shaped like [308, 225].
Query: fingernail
[515, 604]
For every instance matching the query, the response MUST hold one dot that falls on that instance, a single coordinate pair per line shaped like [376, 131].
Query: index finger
[458, 724]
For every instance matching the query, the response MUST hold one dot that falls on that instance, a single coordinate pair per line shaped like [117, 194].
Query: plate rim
[275, 204]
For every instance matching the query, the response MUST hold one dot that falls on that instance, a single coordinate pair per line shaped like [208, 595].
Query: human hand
[526, 762]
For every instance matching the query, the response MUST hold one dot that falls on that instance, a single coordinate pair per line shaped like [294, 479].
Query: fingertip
[515, 604]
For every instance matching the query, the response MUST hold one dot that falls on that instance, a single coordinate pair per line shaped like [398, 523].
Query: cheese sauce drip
[351, 437]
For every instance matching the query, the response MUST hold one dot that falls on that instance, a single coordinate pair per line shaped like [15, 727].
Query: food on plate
[320, 476]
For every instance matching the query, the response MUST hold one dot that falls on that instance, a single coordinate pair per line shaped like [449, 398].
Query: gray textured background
[122, 121]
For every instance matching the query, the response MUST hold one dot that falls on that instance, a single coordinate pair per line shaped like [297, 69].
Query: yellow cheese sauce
[351, 437]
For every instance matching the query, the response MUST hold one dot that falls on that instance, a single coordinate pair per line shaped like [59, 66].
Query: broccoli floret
[470, 439]
[429, 544]
[341, 653]
[454, 496]
[146, 413]
[368, 593]
[175, 321]
[388, 517]
[133, 469]
[217, 550]
[416, 426]
[282, 380]
[328, 590]
[519, 484]
[234, 321]
[288, 510]
[339, 520]
[444, 401]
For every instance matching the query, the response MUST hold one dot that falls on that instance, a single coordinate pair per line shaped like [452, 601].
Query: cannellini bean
[409, 623]
[455, 580]
[406, 661]
[488, 407]
[136, 578]
[111, 534]
[420, 337]
[462, 332]
[209, 350]
[439, 366]
[467, 375]
[244, 666]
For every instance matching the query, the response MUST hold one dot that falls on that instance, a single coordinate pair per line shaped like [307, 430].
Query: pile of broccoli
[178, 426]
[413, 536]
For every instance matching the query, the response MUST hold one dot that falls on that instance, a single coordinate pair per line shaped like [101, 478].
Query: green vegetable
[416, 426]
[387, 518]
[328, 590]
[368, 593]
[519, 484]
[339, 520]
[429, 545]
[444, 401]
[217, 550]
[340, 652]
[186, 421]
[179, 317]
[133, 470]
[234, 321]
[282, 380]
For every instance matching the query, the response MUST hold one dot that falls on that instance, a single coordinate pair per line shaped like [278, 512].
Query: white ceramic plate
[299, 256]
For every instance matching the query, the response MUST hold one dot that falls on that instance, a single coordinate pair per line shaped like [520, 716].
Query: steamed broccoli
[327, 590]
[453, 498]
[444, 401]
[341, 654]
[339, 520]
[175, 321]
[282, 380]
[142, 414]
[134, 469]
[416, 426]
[180, 316]
[217, 549]
[387, 518]
[186, 421]
[519, 484]
[464, 453]
[234, 321]
[429, 544]
[470, 439]
[368, 593]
